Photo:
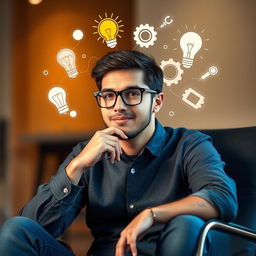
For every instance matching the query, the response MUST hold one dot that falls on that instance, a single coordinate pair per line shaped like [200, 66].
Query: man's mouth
[121, 119]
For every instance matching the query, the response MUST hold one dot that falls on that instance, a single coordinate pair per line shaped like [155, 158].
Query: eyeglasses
[131, 96]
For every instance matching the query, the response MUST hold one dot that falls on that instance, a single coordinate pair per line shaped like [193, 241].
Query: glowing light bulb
[108, 29]
[58, 97]
[190, 44]
[66, 58]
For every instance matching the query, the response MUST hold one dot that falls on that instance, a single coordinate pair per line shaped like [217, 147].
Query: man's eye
[133, 93]
[107, 95]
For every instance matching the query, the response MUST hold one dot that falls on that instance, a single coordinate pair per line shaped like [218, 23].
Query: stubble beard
[132, 135]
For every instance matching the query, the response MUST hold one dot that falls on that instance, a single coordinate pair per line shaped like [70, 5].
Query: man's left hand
[133, 232]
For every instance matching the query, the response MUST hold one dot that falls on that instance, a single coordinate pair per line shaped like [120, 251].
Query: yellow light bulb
[108, 29]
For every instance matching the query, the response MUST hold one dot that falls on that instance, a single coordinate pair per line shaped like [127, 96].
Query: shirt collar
[157, 141]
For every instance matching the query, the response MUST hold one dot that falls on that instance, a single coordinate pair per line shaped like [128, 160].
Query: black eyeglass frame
[117, 93]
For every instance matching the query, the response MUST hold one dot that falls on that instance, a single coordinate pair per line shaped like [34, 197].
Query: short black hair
[127, 59]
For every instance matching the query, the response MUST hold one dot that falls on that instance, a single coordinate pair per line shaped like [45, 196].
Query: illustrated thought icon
[193, 98]
[213, 70]
[78, 34]
[57, 96]
[108, 29]
[145, 35]
[171, 79]
[167, 21]
[190, 44]
[66, 58]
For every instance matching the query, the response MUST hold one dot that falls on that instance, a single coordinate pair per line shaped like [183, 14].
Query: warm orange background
[38, 33]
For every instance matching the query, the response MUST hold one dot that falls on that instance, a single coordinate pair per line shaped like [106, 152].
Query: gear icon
[145, 35]
[178, 71]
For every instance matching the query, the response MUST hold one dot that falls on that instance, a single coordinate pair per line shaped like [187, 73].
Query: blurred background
[35, 137]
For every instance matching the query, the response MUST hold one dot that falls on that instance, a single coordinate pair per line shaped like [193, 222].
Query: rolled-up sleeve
[207, 179]
[56, 204]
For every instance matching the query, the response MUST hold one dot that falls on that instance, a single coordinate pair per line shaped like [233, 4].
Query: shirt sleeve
[206, 176]
[56, 204]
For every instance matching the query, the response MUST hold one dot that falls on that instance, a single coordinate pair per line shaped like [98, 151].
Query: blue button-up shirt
[174, 164]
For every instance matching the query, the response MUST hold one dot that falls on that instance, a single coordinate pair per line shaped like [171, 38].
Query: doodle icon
[167, 21]
[78, 34]
[145, 35]
[57, 96]
[66, 58]
[213, 70]
[174, 78]
[193, 98]
[190, 44]
[108, 29]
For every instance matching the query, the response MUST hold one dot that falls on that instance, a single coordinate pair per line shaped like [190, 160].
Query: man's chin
[129, 134]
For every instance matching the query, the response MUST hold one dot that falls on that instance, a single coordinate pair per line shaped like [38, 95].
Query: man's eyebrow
[128, 87]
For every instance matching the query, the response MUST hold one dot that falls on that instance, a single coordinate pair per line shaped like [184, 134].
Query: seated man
[147, 189]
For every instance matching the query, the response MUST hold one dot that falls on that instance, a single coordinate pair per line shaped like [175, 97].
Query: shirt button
[65, 190]
[131, 206]
[133, 171]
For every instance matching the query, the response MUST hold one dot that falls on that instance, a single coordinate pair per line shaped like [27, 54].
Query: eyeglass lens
[129, 96]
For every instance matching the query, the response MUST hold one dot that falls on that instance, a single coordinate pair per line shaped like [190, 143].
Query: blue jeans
[20, 236]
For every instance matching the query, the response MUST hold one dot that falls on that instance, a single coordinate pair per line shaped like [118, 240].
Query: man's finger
[120, 246]
[116, 131]
[132, 244]
[110, 150]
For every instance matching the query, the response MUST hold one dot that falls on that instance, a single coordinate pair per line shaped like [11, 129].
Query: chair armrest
[227, 228]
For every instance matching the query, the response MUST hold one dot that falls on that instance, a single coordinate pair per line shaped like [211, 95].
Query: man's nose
[119, 103]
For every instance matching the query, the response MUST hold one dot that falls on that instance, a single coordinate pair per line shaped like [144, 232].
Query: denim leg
[24, 237]
[180, 236]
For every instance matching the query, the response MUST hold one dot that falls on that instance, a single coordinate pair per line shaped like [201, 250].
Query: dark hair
[126, 59]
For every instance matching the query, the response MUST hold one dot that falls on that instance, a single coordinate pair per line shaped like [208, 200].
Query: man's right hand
[103, 142]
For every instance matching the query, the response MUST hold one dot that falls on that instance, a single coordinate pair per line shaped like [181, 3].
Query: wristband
[153, 215]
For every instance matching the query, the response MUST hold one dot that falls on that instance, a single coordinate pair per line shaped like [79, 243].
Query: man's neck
[136, 145]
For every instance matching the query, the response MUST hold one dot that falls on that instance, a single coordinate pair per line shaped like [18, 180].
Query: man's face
[130, 119]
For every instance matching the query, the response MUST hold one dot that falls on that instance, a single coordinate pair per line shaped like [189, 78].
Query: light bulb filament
[58, 99]
[190, 46]
[66, 59]
[108, 32]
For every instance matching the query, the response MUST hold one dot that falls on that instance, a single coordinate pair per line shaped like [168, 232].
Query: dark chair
[237, 148]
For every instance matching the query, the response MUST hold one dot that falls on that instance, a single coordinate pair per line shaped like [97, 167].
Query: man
[147, 189]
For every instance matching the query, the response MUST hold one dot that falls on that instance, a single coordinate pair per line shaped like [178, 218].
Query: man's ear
[158, 102]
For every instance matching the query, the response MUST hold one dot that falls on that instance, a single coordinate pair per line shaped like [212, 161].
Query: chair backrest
[237, 148]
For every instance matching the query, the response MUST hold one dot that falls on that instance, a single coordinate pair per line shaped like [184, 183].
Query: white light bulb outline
[190, 44]
[66, 58]
[57, 96]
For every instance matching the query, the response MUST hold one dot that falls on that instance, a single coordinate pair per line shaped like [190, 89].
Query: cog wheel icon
[178, 71]
[145, 35]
